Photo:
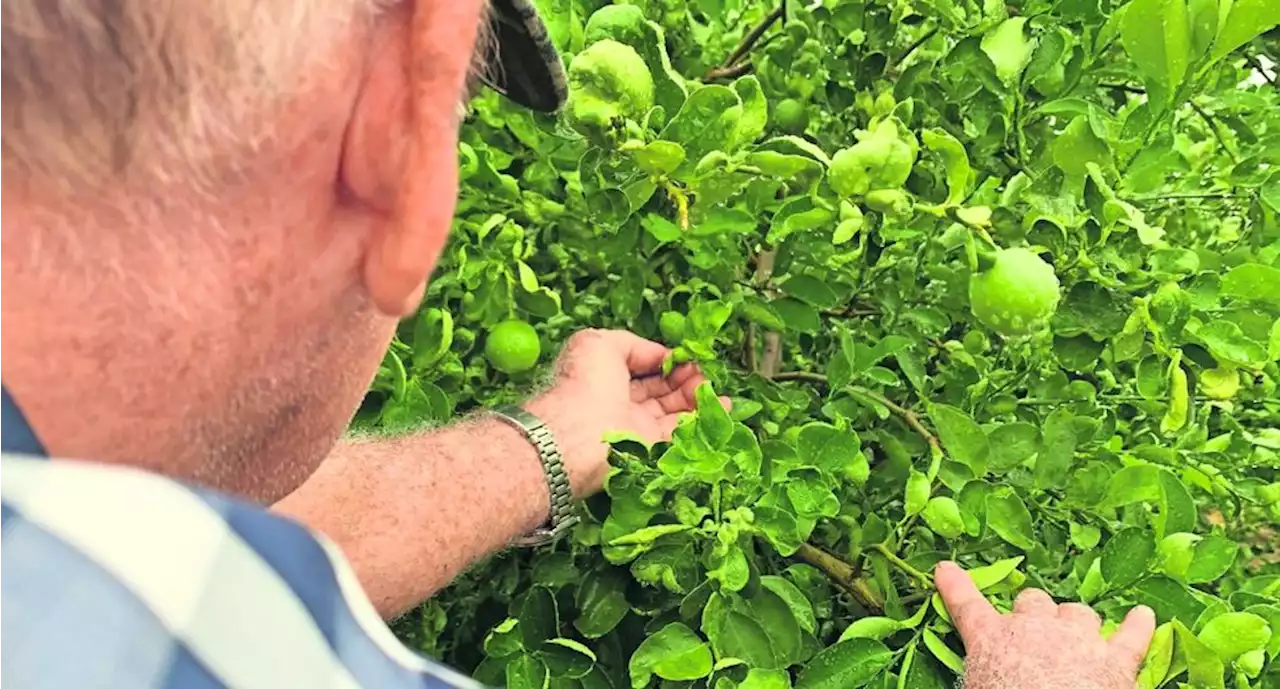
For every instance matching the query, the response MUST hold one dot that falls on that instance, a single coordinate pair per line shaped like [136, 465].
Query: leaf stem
[902, 564]
[682, 203]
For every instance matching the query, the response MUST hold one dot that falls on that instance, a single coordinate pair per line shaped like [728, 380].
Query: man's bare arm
[411, 513]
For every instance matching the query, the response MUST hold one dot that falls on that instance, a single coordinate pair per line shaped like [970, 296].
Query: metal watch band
[562, 515]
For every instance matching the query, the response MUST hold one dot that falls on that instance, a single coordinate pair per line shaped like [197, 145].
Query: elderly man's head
[214, 215]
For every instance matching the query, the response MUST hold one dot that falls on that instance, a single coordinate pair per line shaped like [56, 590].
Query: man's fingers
[685, 377]
[642, 357]
[1080, 614]
[965, 603]
[1131, 640]
[1035, 603]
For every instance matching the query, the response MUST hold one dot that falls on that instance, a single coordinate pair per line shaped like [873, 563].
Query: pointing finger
[1131, 640]
[968, 608]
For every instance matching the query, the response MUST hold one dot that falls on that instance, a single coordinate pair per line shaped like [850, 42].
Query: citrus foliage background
[1126, 451]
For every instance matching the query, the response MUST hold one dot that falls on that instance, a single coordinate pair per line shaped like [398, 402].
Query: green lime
[1017, 295]
[512, 346]
[1220, 383]
[671, 323]
[791, 116]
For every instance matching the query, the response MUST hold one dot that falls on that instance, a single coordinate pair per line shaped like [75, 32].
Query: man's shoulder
[117, 577]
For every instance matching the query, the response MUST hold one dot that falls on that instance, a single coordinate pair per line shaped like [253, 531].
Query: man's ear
[400, 153]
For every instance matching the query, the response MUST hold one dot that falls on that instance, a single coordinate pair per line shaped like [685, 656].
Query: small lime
[1017, 295]
[512, 346]
[790, 116]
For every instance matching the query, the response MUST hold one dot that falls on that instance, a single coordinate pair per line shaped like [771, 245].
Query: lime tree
[512, 346]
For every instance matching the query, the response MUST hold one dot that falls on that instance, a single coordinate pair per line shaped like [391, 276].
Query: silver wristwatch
[562, 516]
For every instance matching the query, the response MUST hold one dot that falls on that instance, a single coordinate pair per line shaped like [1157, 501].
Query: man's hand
[1042, 644]
[610, 380]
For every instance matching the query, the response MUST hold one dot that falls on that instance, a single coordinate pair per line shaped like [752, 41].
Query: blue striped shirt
[114, 577]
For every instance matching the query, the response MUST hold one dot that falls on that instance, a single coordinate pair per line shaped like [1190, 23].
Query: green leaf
[942, 652]
[1009, 48]
[1007, 515]
[846, 665]
[1127, 555]
[1228, 343]
[706, 122]
[1057, 450]
[736, 633]
[602, 604]
[1253, 282]
[1246, 20]
[527, 672]
[1078, 146]
[1212, 558]
[1169, 599]
[1159, 658]
[1204, 667]
[1012, 444]
[795, 599]
[811, 290]
[986, 576]
[962, 437]
[755, 110]
[659, 157]
[954, 160]
[766, 679]
[1157, 36]
[835, 451]
[538, 617]
[875, 627]
[1233, 634]
[674, 652]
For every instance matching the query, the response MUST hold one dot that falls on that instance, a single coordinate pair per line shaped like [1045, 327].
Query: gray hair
[153, 91]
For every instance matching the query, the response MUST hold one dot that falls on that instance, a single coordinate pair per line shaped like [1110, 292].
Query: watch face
[526, 67]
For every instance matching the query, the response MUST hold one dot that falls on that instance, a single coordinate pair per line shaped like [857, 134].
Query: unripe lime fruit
[512, 346]
[790, 116]
[622, 23]
[608, 81]
[1220, 383]
[671, 323]
[1017, 295]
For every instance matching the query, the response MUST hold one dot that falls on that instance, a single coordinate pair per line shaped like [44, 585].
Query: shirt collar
[16, 435]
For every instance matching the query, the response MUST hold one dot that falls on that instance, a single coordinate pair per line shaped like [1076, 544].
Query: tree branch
[842, 574]
[752, 36]
[924, 38]
[772, 357]
[730, 72]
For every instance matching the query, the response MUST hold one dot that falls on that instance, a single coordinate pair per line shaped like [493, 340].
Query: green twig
[903, 565]
[924, 38]
[1213, 127]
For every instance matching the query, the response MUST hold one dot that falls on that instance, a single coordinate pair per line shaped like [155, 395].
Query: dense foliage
[803, 198]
